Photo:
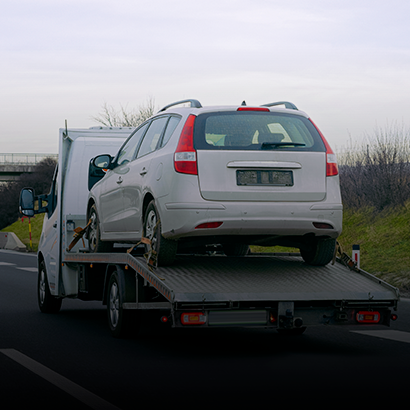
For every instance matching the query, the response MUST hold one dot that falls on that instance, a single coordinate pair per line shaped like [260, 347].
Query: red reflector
[272, 318]
[393, 316]
[368, 317]
[193, 318]
[209, 225]
[321, 225]
[253, 109]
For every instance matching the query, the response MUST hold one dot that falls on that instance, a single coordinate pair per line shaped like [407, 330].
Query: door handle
[144, 171]
[55, 225]
[119, 180]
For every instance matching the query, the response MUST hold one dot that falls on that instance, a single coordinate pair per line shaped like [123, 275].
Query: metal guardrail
[24, 159]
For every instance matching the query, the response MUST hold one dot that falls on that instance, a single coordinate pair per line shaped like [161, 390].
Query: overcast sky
[344, 62]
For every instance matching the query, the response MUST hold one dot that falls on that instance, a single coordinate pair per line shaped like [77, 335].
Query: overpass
[14, 165]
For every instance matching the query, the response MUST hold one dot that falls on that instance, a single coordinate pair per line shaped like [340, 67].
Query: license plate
[259, 177]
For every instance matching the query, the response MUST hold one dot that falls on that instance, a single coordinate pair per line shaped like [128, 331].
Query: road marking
[396, 335]
[78, 392]
[28, 269]
[7, 264]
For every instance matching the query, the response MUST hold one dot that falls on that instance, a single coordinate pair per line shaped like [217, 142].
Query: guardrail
[24, 159]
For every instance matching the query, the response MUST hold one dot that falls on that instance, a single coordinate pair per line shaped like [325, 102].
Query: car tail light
[209, 225]
[331, 162]
[368, 317]
[193, 318]
[253, 109]
[185, 154]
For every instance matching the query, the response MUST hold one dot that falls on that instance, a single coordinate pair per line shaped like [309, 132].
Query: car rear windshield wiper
[270, 145]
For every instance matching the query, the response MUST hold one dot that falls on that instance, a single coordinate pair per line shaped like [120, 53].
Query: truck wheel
[320, 253]
[165, 249]
[95, 244]
[122, 322]
[235, 249]
[46, 301]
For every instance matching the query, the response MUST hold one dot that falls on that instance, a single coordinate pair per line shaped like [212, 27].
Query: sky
[346, 63]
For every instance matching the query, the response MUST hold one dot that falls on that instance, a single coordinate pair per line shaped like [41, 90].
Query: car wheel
[165, 249]
[320, 253]
[235, 249]
[46, 301]
[95, 244]
[122, 322]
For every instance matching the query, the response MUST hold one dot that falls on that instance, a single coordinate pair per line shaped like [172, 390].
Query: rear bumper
[255, 218]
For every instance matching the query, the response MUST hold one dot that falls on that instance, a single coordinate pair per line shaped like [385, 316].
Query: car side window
[172, 124]
[127, 152]
[150, 141]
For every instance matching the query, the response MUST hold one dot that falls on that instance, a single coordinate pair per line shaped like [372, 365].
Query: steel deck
[252, 278]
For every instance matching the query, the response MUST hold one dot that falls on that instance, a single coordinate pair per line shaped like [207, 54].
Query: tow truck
[274, 291]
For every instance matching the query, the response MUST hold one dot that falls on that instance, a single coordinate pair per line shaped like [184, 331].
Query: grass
[384, 239]
[21, 229]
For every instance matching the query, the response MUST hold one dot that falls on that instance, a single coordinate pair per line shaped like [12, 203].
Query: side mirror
[97, 168]
[26, 203]
[102, 161]
[30, 205]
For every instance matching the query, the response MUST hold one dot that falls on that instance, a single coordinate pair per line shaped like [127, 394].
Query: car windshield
[256, 131]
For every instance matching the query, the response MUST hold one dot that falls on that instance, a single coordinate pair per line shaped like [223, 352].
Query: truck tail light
[331, 162]
[368, 317]
[193, 318]
[209, 225]
[185, 154]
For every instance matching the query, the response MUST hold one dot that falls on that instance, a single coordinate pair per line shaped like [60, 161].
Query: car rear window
[256, 131]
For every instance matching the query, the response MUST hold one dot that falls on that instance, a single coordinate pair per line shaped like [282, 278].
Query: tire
[320, 253]
[235, 249]
[122, 322]
[95, 244]
[46, 301]
[165, 249]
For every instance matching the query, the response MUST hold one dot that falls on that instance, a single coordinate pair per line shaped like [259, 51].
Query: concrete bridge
[14, 165]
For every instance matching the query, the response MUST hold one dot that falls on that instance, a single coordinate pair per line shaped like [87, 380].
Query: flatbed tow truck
[274, 291]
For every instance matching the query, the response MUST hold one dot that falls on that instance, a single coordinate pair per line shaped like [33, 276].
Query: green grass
[384, 240]
[21, 229]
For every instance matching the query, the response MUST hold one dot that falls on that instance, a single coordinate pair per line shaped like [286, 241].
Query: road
[69, 360]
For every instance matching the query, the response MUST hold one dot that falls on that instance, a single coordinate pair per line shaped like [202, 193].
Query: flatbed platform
[270, 277]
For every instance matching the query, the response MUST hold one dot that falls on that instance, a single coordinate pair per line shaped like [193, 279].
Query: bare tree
[110, 117]
[377, 173]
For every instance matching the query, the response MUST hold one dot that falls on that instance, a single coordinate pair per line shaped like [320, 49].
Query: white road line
[81, 394]
[396, 335]
[7, 264]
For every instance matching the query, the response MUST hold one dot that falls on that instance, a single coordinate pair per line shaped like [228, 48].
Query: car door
[137, 180]
[50, 240]
[111, 198]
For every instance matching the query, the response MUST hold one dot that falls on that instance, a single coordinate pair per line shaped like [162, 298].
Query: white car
[195, 176]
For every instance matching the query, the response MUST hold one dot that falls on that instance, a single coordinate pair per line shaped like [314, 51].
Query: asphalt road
[69, 360]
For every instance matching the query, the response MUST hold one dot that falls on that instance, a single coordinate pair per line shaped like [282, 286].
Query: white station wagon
[231, 176]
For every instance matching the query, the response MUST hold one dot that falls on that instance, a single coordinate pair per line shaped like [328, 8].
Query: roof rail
[285, 103]
[194, 103]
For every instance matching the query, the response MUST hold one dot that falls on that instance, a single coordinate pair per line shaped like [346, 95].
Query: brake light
[368, 317]
[253, 109]
[331, 162]
[185, 154]
[193, 318]
[209, 225]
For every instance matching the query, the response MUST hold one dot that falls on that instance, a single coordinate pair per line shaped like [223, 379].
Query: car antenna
[243, 102]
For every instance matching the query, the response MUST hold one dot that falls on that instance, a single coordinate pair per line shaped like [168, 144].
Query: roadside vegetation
[375, 186]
